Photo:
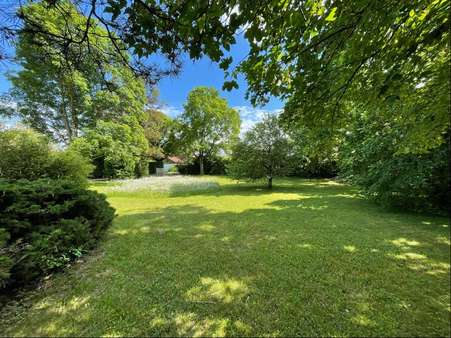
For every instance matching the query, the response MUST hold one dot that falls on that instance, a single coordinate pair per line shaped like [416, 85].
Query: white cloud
[8, 122]
[171, 110]
[250, 116]
[225, 18]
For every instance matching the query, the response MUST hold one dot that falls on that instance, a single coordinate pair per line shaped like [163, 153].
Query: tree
[369, 157]
[115, 149]
[207, 126]
[157, 128]
[314, 152]
[61, 89]
[264, 152]
[392, 56]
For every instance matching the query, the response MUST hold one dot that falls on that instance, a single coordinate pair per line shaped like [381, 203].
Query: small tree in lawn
[207, 126]
[264, 152]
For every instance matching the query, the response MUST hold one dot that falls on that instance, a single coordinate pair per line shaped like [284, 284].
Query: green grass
[308, 258]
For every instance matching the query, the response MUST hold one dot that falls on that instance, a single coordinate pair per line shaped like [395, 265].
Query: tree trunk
[269, 182]
[201, 164]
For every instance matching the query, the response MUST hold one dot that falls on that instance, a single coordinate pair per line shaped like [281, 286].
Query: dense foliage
[321, 56]
[317, 55]
[26, 154]
[370, 157]
[213, 165]
[60, 89]
[115, 149]
[264, 152]
[313, 156]
[45, 224]
[157, 130]
[207, 126]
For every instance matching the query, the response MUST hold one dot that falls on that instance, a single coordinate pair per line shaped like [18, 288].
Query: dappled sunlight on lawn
[403, 242]
[349, 248]
[305, 259]
[191, 324]
[215, 290]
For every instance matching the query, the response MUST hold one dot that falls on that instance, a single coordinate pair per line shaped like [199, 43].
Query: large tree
[319, 56]
[264, 152]
[207, 126]
[157, 128]
[326, 57]
[369, 156]
[59, 89]
[116, 149]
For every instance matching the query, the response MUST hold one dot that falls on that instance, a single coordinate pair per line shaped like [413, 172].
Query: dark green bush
[5, 261]
[212, 166]
[46, 224]
[315, 168]
[26, 154]
[370, 156]
[142, 168]
[114, 148]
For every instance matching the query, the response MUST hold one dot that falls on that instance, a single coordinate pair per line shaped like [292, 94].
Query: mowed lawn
[308, 258]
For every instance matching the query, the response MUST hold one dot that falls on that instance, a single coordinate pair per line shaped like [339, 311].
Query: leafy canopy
[208, 125]
[61, 89]
[264, 152]
[115, 149]
[319, 56]
[322, 57]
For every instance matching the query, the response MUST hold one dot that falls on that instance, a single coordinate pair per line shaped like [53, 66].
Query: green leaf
[229, 85]
[331, 16]
[313, 33]
[225, 63]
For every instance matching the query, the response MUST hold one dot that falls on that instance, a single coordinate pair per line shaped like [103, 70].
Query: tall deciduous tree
[208, 125]
[264, 152]
[157, 128]
[114, 148]
[319, 56]
[61, 89]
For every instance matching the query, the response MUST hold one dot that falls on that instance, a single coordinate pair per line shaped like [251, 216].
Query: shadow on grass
[323, 264]
[259, 188]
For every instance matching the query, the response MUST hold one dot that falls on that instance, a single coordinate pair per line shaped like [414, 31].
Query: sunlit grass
[310, 257]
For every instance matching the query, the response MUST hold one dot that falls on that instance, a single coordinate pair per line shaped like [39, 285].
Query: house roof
[174, 159]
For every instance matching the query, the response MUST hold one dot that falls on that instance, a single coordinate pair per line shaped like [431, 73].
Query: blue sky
[204, 72]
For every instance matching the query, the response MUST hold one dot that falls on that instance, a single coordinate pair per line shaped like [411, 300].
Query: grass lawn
[308, 258]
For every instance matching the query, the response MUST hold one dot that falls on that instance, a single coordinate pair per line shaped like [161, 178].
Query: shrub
[311, 167]
[142, 168]
[173, 170]
[212, 166]
[115, 149]
[26, 154]
[46, 224]
[371, 157]
[69, 165]
[5, 261]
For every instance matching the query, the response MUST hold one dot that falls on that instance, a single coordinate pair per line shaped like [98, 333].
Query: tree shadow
[312, 265]
[280, 186]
